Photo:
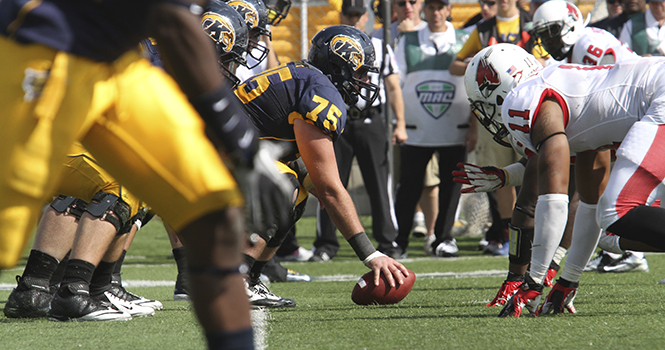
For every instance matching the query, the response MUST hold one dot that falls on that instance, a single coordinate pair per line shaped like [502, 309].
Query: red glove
[485, 179]
[551, 273]
[507, 290]
[527, 295]
[560, 297]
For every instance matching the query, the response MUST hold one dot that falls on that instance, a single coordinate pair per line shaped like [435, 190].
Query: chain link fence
[306, 17]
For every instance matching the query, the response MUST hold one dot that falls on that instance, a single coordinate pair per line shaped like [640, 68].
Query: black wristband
[512, 277]
[567, 284]
[224, 115]
[362, 245]
[532, 284]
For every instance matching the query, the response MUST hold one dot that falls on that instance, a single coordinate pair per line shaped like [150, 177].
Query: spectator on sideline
[435, 119]
[488, 10]
[644, 32]
[614, 8]
[615, 24]
[408, 20]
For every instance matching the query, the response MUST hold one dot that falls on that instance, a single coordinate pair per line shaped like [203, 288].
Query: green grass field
[444, 311]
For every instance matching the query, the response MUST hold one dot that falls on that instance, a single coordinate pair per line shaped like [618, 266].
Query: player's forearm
[187, 52]
[457, 67]
[342, 212]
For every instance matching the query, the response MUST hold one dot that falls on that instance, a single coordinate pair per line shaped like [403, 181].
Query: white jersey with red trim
[600, 103]
[598, 47]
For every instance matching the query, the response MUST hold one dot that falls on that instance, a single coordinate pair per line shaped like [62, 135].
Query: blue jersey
[150, 50]
[101, 30]
[295, 90]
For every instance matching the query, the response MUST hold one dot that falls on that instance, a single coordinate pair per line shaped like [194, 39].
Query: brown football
[366, 293]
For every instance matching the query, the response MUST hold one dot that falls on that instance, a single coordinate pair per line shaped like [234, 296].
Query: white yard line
[328, 278]
[261, 316]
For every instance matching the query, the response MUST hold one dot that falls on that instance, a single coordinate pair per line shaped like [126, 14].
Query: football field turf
[445, 309]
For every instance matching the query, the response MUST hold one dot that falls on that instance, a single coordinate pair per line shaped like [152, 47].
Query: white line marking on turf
[260, 319]
[328, 278]
[487, 273]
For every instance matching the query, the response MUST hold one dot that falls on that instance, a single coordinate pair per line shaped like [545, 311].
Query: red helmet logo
[571, 11]
[487, 78]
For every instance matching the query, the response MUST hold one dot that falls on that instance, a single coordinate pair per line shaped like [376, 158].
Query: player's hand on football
[393, 270]
[268, 193]
[561, 297]
[527, 296]
[480, 179]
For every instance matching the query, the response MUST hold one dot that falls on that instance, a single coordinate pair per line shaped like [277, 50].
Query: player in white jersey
[561, 30]
[563, 109]
[599, 47]
[559, 26]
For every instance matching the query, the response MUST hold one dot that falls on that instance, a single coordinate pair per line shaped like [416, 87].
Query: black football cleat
[74, 303]
[30, 299]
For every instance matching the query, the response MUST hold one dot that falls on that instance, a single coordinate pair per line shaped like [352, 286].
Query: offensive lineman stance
[300, 104]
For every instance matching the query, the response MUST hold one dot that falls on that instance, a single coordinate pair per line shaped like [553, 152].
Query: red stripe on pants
[648, 176]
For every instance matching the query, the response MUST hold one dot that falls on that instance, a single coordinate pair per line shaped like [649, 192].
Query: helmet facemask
[353, 85]
[551, 37]
[255, 15]
[490, 76]
[277, 10]
[489, 116]
[229, 67]
[558, 25]
[256, 49]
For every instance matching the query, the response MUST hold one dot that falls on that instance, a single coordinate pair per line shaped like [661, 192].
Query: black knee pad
[276, 235]
[69, 205]
[299, 167]
[139, 219]
[521, 242]
[111, 208]
[280, 234]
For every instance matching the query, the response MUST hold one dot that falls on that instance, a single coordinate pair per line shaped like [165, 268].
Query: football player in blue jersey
[255, 14]
[142, 126]
[70, 223]
[302, 104]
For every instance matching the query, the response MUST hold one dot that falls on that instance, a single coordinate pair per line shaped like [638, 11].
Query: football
[366, 293]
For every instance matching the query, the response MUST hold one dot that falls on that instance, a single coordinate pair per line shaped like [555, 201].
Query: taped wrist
[514, 174]
[362, 245]
[224, 115]
[532, 284]
[521, 241]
